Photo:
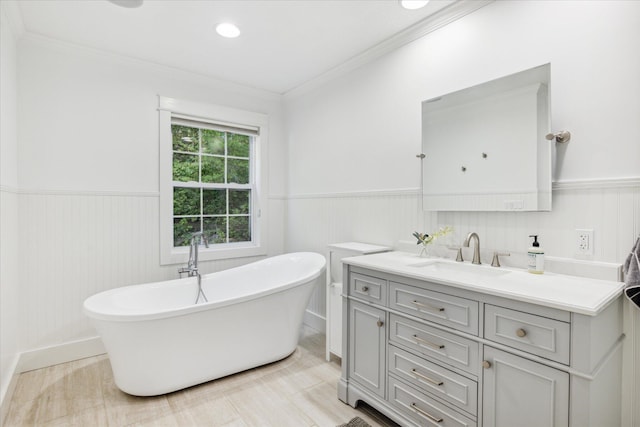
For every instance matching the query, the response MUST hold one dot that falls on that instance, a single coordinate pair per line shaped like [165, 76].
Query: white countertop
[570, 293]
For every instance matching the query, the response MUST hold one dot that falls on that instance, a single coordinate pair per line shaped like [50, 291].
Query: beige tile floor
[297, 391]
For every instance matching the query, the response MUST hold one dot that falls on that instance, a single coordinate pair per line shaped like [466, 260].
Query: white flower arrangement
[425, 239]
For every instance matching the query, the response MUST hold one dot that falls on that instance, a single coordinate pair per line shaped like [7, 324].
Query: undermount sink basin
[456, 268]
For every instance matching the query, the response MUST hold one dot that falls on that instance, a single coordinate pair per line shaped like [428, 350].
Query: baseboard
[315, 321]
[8, 388]
[54, 355]
[41, 358]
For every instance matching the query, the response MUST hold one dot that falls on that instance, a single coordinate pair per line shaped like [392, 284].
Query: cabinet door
[519, 392]
[367, 346]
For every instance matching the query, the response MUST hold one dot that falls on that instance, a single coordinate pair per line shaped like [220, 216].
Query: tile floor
[297, 391]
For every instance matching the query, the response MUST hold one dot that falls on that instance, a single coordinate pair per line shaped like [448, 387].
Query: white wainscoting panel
[73, 245]
[313, 222]
[612, 211]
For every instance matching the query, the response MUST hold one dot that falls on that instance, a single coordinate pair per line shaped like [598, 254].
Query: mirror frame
[489, 172]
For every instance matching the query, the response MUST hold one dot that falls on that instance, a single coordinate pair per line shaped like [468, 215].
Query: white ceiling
[283, 43]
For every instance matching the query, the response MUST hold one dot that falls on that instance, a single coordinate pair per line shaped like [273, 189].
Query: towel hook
[562, 136]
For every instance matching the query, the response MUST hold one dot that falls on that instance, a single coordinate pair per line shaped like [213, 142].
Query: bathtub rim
[95, 313]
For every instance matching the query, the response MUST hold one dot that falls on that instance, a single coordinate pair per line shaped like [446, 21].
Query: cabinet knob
[521, 332]
[379, 323]
[365, 288]
[486, 364]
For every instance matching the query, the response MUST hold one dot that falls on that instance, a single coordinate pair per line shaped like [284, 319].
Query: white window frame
[222, 116]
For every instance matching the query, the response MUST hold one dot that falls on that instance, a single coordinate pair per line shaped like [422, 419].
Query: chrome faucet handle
[459, 254]
[495, 262]
[183, 270]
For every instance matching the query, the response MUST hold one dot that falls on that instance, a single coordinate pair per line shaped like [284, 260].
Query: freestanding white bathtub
[159, 341]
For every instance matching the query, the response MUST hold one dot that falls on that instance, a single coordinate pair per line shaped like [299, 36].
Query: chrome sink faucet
[476, 247]
[192, 266]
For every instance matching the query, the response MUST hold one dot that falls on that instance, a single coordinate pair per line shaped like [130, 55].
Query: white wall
[88, 178]
[370, 118]
[8, 208]
[353, 173]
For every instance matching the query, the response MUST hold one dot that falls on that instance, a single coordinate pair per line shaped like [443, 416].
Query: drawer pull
[379, 323]
[425, 413]
[428, 306]
[365, 289]
[486, 364]
[521, 332]
[429, 343]
[426, 378]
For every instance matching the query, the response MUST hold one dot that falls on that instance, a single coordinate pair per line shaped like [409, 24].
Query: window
[210, 180]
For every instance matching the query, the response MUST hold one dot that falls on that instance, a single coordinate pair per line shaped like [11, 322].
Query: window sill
[228, 251]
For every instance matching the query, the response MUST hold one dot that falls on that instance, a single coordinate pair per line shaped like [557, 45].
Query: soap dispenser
[536, 257]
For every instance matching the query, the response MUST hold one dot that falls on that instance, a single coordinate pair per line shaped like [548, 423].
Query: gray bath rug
[355, 422]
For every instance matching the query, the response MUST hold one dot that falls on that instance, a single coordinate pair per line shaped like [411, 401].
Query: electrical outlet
[584, 242]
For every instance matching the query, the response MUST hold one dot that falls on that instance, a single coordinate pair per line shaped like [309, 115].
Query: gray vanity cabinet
[426, 354]
[519, 392]
[367, 347]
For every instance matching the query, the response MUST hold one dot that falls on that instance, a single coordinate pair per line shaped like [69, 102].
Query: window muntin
[214, 205]
[212, 183]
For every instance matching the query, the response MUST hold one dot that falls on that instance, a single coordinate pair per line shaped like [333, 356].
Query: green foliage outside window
[185, 138]
[211, 157]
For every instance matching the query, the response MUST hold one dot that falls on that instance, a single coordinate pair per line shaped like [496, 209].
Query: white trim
[431, 23]
[11, 11]
[9, 189]
[42, 358]
[315, 321]
[213, 113]
[579, 184]
[61, 353]
[8, 387]
[89, 193]
[365, 193]
[186, 76]
[590, 184]
[166, 108]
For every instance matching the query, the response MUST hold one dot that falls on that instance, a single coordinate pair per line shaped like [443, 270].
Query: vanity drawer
[434, 379]
[368, 288]
[434, 343]
[448, 310]
[424, 410]
[534, 334]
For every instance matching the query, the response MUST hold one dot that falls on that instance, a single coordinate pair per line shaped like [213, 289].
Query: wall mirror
[485, 149]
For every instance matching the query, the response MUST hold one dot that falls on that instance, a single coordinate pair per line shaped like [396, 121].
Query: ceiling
[283, 44]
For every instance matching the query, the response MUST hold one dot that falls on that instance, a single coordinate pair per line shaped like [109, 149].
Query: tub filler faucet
[192, 266]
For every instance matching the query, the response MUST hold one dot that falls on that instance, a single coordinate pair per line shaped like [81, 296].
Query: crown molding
[431, 23]
[11, 11]
[147, 66]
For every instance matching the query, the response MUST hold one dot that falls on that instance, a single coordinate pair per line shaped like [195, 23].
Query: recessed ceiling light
[127, 3]
[413, 4]
[228, 30]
